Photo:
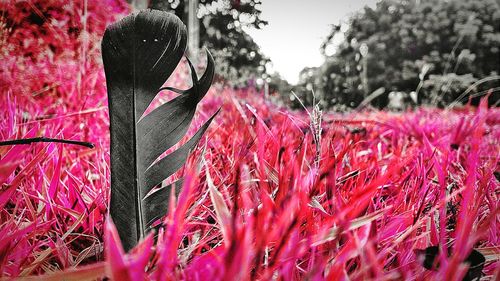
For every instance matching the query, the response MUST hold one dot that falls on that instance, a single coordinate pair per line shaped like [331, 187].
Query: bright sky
[296, 30]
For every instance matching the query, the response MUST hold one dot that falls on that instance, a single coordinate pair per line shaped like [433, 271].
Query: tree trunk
[193, 31]
[139, 4]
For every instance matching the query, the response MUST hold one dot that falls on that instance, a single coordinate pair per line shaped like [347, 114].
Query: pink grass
[253, 206]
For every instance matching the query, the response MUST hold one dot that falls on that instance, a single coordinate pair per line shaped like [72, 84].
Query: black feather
[139, 53]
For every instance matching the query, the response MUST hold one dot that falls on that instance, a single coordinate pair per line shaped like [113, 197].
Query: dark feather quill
[139, 53]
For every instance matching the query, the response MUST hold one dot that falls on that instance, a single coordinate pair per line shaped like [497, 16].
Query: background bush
[400, 43]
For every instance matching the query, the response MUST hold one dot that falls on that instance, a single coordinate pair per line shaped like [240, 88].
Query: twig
[43, 139]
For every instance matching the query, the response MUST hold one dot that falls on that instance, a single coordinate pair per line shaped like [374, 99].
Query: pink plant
[253, 205]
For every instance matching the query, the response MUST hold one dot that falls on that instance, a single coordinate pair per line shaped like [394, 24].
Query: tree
[237, 56]
[404, 38]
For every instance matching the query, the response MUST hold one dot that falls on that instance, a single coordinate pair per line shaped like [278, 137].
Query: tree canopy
[237, 56]
[404, 45]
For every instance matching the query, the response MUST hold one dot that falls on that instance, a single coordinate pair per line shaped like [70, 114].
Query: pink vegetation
[257, 203]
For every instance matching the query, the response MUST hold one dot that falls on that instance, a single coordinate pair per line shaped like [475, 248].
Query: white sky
[296, 30]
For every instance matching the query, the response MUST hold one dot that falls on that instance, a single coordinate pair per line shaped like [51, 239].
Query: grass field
[267, 194]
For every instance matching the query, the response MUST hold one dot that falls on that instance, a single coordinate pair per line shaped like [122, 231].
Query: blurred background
[392, 54]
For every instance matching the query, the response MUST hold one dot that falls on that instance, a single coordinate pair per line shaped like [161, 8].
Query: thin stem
[42, 139]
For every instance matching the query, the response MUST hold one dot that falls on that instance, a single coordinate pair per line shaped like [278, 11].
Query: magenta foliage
[254, 206]
[54, 197]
